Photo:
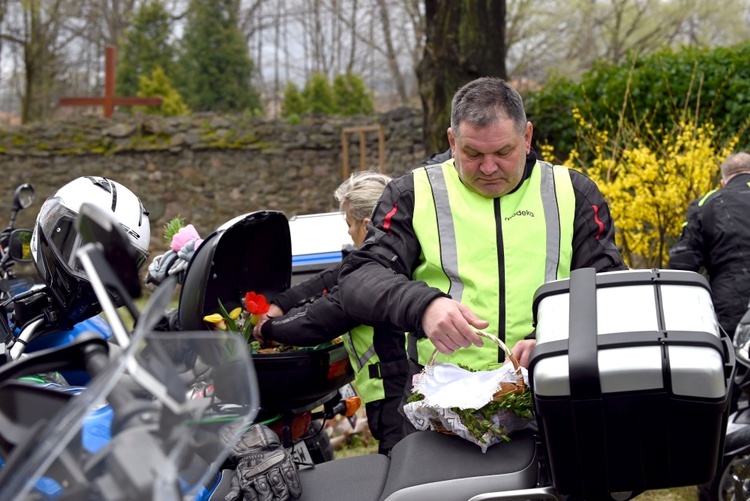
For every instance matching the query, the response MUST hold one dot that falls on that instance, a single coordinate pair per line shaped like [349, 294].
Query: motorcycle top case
[253, 252]
[631, 379]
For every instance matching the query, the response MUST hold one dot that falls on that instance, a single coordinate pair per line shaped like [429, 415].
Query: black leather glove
[265, 470]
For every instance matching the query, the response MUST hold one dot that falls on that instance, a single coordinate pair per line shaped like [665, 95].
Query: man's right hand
[450, 325]
[273, 311]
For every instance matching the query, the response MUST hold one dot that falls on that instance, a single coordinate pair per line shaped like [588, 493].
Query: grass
[357, 449]
[677, 494]
[140, 303]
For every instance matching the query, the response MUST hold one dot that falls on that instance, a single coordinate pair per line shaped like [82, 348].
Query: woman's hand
[273, 311]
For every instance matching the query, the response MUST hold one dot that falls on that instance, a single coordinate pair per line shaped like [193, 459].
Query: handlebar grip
[96, 359]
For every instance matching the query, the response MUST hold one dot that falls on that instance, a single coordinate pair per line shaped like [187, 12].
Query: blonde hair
[360, 193]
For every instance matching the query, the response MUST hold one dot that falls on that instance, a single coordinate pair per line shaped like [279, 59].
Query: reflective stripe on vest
[451, 224]
[360, 339]
[358, 361]
[448, 252]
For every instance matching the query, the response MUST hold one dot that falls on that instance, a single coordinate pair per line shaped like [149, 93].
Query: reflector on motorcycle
[352, 405]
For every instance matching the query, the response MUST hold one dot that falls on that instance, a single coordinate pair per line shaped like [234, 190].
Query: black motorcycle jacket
[321, 318]
[376, 280]
[716, 237]
[310, 324]
[309, 290]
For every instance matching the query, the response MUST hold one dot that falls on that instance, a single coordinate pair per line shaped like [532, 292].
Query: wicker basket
[506, 388]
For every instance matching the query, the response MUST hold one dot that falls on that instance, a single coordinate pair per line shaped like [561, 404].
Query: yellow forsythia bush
[649, 178]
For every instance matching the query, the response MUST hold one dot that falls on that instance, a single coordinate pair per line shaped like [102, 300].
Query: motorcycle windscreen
[179, 401]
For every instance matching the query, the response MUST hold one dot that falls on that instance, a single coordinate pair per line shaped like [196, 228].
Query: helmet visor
[141, 255]
[57, 222]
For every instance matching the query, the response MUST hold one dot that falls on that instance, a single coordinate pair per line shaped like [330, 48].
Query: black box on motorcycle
[253, 253]
[631, 380]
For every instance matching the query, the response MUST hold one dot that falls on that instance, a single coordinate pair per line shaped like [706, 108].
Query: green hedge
[716, 82]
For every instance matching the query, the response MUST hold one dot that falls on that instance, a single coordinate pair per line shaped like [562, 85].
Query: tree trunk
[465, 39]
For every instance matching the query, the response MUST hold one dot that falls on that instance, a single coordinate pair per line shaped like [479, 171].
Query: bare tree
[317, 37]
[352, 37]
[391, 53]
[415, 17]
[567, 37]
[107, 20]
[251, 19]
[38, 32]
[378, 40]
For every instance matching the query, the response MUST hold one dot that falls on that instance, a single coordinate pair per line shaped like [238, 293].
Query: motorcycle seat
[432, 466]
[426, 466]
[359, 477]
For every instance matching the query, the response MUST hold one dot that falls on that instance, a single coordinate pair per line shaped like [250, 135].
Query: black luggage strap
[585, 386]
[382, 370]
[583, 338]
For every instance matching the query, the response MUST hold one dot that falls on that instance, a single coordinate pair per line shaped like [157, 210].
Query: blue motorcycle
[32, 325]
[168, 439]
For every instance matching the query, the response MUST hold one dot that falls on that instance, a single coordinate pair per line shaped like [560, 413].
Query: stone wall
[206, 168]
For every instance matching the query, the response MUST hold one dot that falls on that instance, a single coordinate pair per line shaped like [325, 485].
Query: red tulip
[256, 304]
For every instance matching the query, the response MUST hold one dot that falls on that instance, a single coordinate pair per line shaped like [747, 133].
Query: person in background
[310, 313]
[464, 244]
[716, 237]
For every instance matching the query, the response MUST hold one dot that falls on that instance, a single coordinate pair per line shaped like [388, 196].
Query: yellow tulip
[213, 318]
[217, 320]
[235, 313]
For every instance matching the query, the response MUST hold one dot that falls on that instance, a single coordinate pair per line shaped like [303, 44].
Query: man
[716, 236]
[463, 245]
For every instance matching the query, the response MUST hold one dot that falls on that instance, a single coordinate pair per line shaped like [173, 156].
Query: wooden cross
[109, 101]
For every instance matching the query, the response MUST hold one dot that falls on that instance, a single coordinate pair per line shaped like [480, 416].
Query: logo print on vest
[520, 213]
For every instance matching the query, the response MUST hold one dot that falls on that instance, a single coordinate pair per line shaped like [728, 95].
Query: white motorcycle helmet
[55, 240]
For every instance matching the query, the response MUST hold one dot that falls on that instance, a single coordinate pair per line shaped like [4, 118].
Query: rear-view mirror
[19, 245]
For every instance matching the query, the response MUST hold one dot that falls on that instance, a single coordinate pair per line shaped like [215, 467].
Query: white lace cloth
[446, 385]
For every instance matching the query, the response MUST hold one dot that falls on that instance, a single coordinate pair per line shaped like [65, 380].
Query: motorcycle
[156, 450]
[732, 480]
[167, 439]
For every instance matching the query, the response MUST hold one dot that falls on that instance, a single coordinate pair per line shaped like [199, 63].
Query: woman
[310, 313]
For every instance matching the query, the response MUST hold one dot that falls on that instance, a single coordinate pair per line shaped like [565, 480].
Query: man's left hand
[522, 351]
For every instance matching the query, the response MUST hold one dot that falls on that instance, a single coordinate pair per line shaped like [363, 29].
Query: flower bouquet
[242, 320]
[484, 407]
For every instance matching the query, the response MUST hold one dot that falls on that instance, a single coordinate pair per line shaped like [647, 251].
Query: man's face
[491, 160]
